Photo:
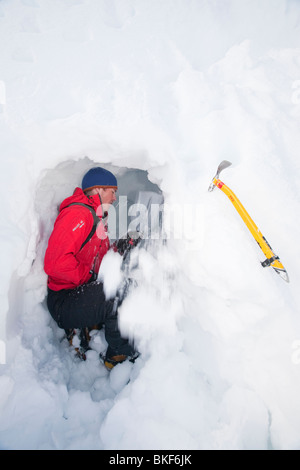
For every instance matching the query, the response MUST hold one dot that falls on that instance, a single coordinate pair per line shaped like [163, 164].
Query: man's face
[108, 195]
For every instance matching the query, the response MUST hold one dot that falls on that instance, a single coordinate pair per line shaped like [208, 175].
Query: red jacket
[66, 264]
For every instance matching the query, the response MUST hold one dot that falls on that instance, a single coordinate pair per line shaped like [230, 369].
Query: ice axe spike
[224, 164]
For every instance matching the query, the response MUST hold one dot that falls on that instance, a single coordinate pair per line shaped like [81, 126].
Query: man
[75, 250]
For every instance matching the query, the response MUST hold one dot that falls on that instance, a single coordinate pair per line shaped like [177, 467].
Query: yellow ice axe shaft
[271, 258]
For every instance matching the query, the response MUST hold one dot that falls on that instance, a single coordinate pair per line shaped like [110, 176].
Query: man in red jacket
[75, 250]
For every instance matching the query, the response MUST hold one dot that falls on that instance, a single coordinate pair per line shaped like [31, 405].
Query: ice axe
[271, 258]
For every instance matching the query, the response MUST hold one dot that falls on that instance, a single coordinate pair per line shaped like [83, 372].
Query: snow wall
[169, 89]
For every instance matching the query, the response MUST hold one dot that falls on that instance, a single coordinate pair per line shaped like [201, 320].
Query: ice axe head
[224, 164]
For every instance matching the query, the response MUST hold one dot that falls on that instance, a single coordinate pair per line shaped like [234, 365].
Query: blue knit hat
[99, 177]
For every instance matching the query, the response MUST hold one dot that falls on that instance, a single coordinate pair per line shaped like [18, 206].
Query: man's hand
[124, 245]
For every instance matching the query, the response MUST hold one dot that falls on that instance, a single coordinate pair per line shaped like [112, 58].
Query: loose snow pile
[160, 92]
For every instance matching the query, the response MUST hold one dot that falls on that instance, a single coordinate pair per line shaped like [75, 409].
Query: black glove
[124, 245]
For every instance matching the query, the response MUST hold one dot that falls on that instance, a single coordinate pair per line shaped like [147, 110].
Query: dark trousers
[86, 306]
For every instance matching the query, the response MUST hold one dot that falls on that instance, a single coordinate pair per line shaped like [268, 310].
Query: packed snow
[159, 92]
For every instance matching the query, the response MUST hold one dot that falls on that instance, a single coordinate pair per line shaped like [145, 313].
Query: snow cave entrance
[138, 206]
[135, 195]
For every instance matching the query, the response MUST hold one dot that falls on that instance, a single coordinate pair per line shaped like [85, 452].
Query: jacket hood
[79, 196]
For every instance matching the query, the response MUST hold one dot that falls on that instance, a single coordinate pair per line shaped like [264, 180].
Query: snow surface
[169, 88]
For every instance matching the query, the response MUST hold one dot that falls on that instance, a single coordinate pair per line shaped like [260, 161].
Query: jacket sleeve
[71, 228]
